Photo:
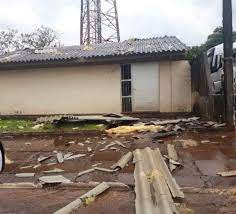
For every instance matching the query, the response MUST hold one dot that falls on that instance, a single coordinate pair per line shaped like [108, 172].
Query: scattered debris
[66, 156]
[20, 127]
[102, 143]
[89, 149]
[104, 169]
[136, 128]
[187, 143]
[75, 156]
[54, 171]
[73, 206]
[154, 192]
[217, 125]
[80, 144]
[43, 158]
[95, 169]
[92, 184]
[8, 161]
[112, 145]
[38, 126]
[36, 166]
[25, 167]
[25, 175]
[205, 141]
[123, 161]
[100, 125]
[24, 185]
[60, 158]
[89, 118]
[227, 174]
[172, 161]
[97, 164]
[114, 148]
[71, 142]
[120, 144]
[107, 147]
[85, 172]
[54, 179]
[159, 135]
[50, 164]
[172, 154]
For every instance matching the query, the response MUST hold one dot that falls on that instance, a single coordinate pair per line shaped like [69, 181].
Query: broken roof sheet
[155, 188]
[158, 45]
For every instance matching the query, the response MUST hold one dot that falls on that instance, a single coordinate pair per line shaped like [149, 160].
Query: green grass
[21, 125]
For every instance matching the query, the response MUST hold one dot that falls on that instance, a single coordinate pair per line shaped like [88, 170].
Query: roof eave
[129, 58]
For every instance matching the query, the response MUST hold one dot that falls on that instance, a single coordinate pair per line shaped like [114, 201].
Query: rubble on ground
[104, 119]
[154, 183]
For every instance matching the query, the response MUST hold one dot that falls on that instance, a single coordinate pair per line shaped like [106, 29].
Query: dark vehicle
[2, 157]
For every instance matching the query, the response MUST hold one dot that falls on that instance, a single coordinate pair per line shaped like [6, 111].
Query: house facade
[148, 75]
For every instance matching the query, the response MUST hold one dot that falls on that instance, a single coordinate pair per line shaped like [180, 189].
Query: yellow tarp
[135, 128]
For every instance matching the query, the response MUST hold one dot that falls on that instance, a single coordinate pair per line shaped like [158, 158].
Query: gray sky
[190, 20]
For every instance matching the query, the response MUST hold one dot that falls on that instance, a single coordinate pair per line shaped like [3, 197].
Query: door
[145, 87]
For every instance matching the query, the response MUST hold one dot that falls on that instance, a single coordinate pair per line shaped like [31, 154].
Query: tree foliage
[12, 39]
[215, 38]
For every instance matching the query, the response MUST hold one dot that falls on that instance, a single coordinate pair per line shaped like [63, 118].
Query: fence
[207, 105]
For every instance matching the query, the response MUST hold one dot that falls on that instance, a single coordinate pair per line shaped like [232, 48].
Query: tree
[40, 38]
[216, 38]
[193, 52]
[12, 40]
[9, 41]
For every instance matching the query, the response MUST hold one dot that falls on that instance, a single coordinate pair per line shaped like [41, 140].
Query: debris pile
[135, 128]
[165, 128]
[104, 119]
[155, 187]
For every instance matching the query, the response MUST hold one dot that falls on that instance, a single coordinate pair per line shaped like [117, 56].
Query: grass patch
[22, 125]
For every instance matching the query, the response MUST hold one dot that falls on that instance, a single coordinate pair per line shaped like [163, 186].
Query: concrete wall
[93, 89]
[145, 86]
[163, 86]
[175, 86]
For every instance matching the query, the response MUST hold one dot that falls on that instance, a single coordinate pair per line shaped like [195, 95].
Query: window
[221, 62]
[126, 88]
[126, 72]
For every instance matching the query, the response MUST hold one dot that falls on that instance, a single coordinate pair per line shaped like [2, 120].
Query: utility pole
[228, 63]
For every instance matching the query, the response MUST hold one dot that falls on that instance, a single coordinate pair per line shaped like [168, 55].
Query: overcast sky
[190, 20]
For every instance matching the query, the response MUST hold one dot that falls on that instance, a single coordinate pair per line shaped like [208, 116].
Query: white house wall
[80, 90]
[164, 86]
[145, 87]
[175, 86]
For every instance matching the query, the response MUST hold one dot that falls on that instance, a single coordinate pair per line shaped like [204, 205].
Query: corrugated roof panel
[153, 192]
[129, 47]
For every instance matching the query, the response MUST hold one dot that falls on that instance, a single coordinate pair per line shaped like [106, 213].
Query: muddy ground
[202, 154]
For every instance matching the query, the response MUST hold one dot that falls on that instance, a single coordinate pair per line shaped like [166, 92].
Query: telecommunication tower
[99, 22]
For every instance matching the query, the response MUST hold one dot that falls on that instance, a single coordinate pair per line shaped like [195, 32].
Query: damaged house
[137, 75]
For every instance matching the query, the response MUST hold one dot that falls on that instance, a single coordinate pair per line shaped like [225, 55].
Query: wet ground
[203, 155]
